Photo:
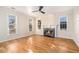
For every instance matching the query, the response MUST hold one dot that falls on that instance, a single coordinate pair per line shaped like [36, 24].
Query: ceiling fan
[40, 9]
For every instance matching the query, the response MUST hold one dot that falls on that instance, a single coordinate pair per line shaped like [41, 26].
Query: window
[63, 22]
[12, 24]
[30, 24]
[39, 24]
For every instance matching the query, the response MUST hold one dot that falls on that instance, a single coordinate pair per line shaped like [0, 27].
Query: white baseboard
[5, 38]
[76, 40]
[12, 37]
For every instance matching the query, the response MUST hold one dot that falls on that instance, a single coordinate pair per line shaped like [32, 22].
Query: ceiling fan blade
[42, 12]
[40, 8]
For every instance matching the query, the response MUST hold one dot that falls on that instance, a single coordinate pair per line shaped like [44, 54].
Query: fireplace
[50, 32]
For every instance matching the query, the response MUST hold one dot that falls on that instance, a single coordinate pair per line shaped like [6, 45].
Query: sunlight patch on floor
[30, 51]
[12, 47]
[30, 40]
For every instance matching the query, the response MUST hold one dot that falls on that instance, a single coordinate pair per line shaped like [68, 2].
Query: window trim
[66, 21]
[15, 23]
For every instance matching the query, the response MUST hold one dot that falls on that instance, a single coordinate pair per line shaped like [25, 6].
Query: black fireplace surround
[50, 32]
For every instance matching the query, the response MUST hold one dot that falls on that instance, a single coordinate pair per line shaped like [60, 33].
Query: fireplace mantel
[51, 28]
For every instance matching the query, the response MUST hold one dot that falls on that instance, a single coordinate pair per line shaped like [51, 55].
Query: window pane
[63, 22]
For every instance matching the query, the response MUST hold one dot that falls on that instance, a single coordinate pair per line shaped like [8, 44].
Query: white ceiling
[47, 9]
[54, 9]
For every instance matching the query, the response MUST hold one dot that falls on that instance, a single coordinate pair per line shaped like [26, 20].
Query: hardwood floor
[39, 44]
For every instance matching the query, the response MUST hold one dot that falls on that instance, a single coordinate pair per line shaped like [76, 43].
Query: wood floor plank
[39, 44]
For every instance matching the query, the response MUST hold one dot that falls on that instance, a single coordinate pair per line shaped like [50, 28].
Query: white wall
[76, 25]
[69, 32]
[46, 20]
[54, 20]
[76, 36]
[22, 24]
